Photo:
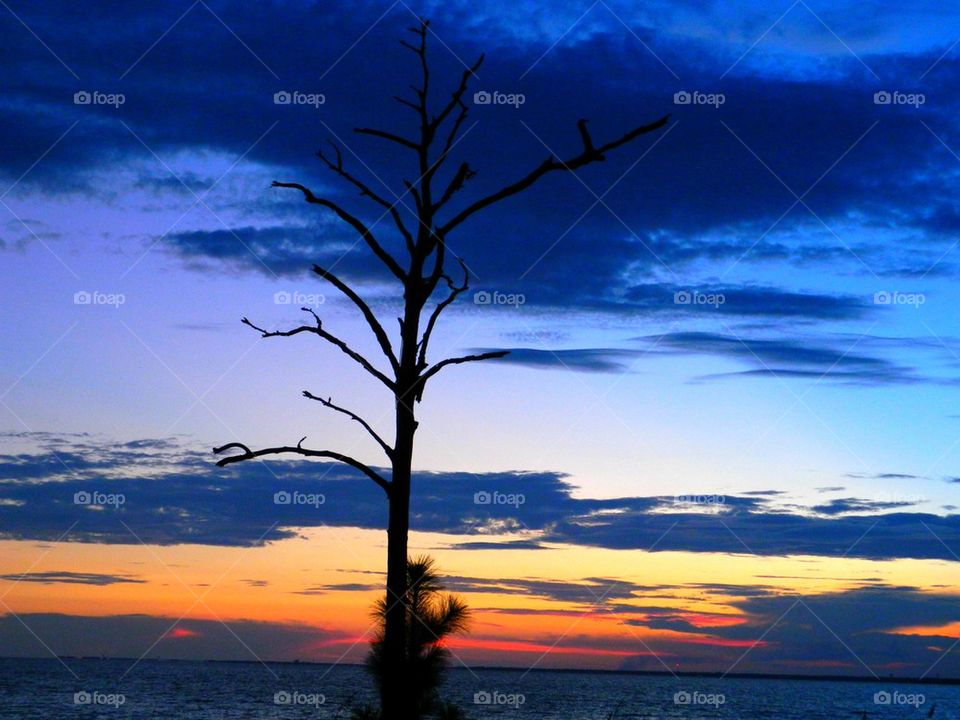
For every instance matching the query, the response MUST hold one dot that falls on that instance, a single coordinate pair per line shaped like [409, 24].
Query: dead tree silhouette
[425, 272]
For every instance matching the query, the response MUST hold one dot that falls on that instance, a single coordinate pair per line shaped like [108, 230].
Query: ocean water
[45, 689]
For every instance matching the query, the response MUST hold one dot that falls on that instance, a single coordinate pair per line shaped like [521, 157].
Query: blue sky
[811, 224]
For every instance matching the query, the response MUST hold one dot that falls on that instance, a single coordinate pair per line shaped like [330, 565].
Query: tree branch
[421, 52]
[388, 136]
[354, 222]
[589, 154]
[249, 454]
[455, 291]
[365, 190]
[368, 314]
[333, 339]
[456, 101]
[407, 103]
[457, 361]
[366, 426]
[463, 174]
[457, 98]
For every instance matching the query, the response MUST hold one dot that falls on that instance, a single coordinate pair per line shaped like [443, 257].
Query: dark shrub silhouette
[431, 617]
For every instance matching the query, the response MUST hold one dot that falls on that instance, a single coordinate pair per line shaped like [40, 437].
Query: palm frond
[431, 617]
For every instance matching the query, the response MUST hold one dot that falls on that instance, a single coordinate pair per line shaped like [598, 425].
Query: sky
[726, 436]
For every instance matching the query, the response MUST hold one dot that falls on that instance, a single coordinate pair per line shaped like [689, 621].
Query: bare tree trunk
[395, 699]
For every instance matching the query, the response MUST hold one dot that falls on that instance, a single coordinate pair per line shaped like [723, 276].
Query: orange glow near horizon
[295, 582]
[950, 630]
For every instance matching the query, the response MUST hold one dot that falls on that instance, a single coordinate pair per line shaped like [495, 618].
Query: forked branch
[456, 99]
[589, 154]
[249, 454]
[354, 222]
[382, 339]
[464, 173]
[352, 415]
[455, 291]
[336, 165]
[318, 330]
[434, 369]
[421, 52]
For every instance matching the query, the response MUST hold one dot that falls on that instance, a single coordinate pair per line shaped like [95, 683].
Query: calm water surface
[45, 689]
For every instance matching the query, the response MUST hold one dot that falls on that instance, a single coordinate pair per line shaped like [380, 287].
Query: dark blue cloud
[826, 359]
[858, 505]
[589, 591]
[846, 632]
[281, 250]
[700, 196]
[103, 494]
[838, 361]
[745, 301]
[871, 536]
[582, 359]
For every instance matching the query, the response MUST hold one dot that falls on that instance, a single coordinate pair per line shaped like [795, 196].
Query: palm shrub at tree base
[431, 616]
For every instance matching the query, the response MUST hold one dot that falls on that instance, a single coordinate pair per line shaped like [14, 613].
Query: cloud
[507, 545]
[869, 536]
[279, 250]
[822, 359]
[841, 362]
[744, 300]
[581, 359]
[339, 587]
[758, 628]
[855, 631]
[69, 578]
[884, 476]
[590, 591]
[255, 583]
[177, 495]
[703, 200]
[859, 505]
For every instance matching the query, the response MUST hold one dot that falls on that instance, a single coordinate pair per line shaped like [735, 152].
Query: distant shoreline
[591, 671]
